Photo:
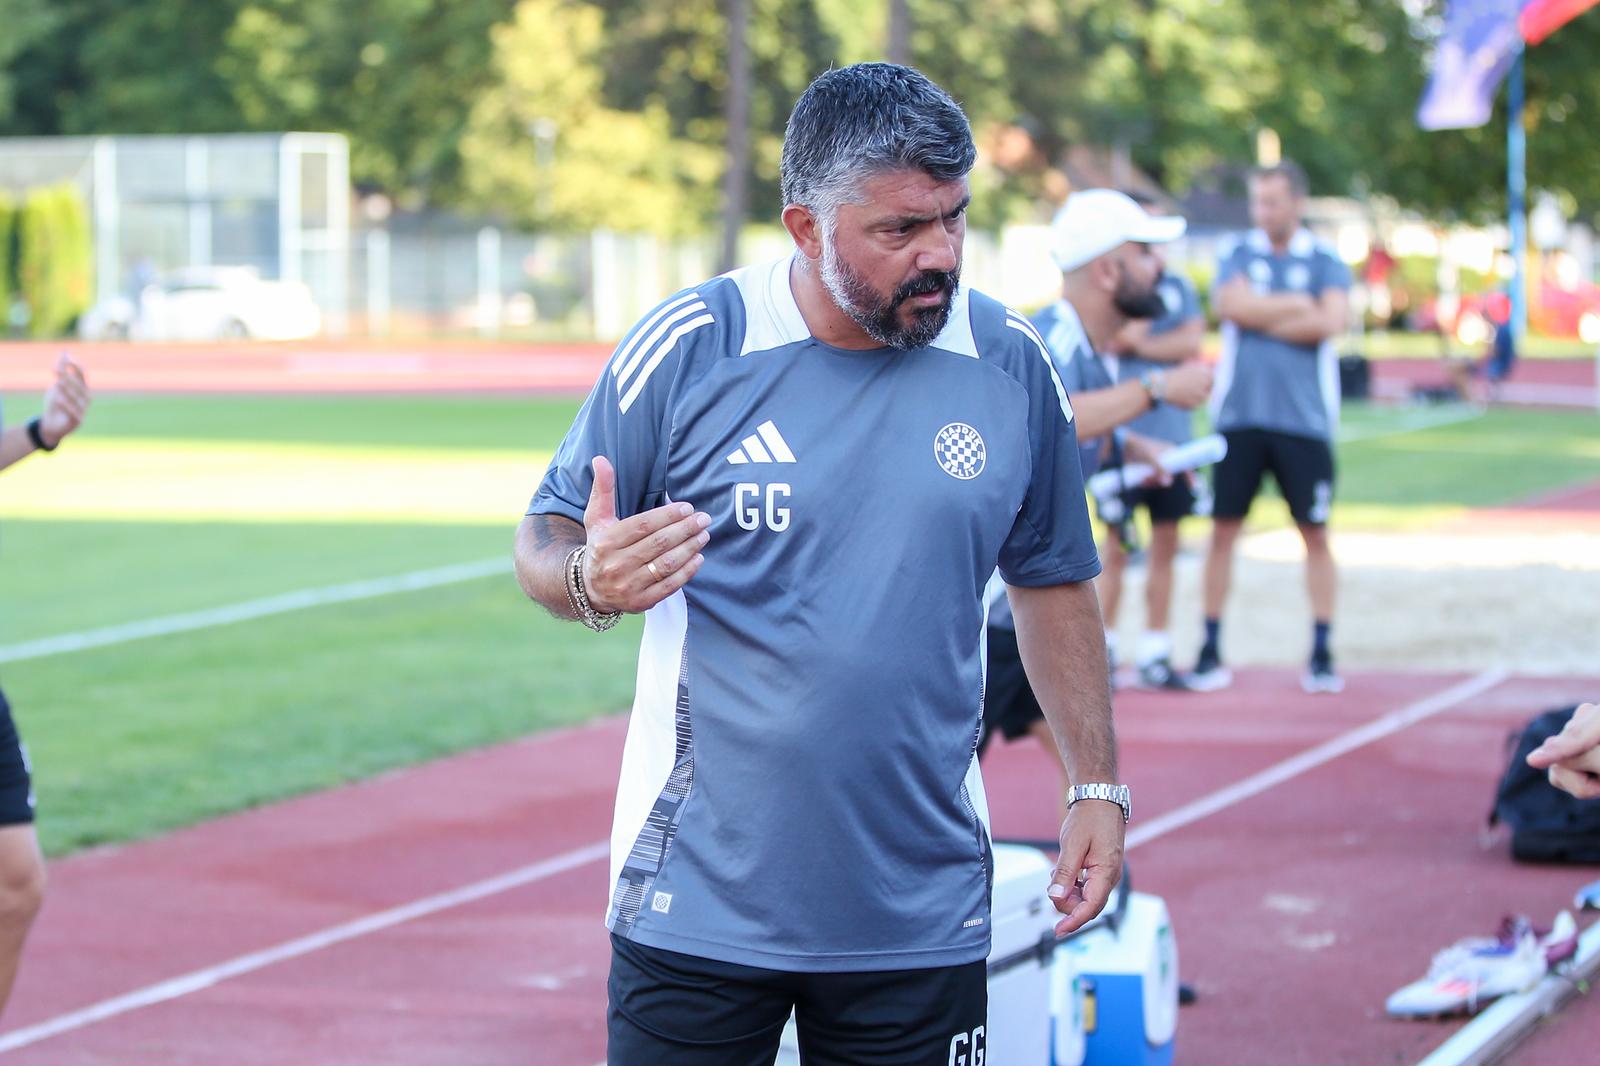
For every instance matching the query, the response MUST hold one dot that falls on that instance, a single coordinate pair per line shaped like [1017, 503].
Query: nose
[939, 250]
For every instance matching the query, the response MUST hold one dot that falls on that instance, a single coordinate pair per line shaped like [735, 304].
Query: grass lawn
[167, 504]
[1389, 345]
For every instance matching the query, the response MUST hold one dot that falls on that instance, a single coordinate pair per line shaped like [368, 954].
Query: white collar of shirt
[1301, 245]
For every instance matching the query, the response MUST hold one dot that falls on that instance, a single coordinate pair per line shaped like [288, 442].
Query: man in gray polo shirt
[1282, 296]
[803, 474]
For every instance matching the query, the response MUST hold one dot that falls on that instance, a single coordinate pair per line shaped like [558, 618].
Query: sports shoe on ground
[1473, 972]
[1209, 674]
[1559, 942]
[1158, 673]
[1320, 676]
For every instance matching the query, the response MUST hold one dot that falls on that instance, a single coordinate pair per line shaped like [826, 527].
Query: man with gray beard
[802, 474]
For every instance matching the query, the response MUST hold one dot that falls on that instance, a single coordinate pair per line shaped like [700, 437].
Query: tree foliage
[543, 148]
[437, 95]
[54, 258]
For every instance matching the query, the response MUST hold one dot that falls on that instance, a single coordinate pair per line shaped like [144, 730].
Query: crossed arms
[1296, 317]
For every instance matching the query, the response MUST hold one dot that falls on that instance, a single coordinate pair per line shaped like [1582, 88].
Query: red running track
[483, 366]
[1297, 909]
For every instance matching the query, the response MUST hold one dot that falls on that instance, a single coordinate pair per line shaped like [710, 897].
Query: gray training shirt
[1080, 370]
[1164, 421]
[1266, 383]
[799, 789]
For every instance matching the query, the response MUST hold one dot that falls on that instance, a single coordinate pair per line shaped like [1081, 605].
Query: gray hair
[868, 119]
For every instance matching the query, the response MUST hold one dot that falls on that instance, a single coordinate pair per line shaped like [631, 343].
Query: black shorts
[1166, 503]
[668, 1009]
[1302, 467]
[1009, 706]
[16, 779]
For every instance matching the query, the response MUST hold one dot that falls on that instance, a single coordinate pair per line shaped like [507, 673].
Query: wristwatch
[1155, 386]
[1117, 794]
[37, 437]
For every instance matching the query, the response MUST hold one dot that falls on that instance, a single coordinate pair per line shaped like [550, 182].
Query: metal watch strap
[1117, 794]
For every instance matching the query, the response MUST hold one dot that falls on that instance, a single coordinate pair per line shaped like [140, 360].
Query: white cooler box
[1126, 971]
[1023, 961]
[1045, 999]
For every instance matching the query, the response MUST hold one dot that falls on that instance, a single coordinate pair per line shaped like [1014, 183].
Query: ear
[806, 230]
[1106, 272]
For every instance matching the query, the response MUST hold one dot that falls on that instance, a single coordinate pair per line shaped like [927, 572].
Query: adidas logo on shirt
[765, 445]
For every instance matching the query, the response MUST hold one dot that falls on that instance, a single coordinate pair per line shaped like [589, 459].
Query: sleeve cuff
[547, 503]
[1072, 574]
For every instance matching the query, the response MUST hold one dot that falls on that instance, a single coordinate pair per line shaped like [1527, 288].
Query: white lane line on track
[372, 923]
[1186, 815]
[1312, 758]
[249, 610]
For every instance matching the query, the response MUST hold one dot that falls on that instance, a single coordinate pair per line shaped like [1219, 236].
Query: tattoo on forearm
[546, 532]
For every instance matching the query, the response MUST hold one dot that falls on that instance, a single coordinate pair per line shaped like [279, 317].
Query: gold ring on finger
[651, 566]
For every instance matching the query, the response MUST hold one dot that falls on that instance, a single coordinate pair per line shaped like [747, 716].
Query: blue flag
[1480, 41]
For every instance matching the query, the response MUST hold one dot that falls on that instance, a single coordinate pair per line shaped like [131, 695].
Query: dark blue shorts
[1302, 467]
[16, 780]
[668, 1009]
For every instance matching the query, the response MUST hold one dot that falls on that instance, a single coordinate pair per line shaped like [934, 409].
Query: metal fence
[279, 203]
[282, 203]
[439, 273]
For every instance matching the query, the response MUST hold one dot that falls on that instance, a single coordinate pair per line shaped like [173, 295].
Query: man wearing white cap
[1144, 345]
[1104, 244]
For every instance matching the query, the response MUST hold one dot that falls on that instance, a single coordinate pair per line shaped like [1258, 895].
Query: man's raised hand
[634, 563]
[65, 402]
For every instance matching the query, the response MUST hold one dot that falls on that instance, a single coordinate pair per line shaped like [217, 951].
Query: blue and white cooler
[1120, 976]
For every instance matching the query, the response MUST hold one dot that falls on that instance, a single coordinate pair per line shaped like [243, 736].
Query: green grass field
[167, 504]
[1400, 345]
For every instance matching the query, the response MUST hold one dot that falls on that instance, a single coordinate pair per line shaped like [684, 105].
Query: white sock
[1153, 645]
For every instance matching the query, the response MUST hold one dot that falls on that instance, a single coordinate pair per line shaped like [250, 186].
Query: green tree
[399, 77]
[26, 22]
[676, 56]
[140, 68]
[54, 267]
[543, 148]
[8, 246]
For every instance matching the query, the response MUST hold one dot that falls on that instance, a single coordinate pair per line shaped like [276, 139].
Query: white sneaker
[1471, 973]
[1321, 677]
[1209, 675]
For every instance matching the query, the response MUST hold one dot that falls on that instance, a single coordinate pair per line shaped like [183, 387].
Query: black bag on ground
[1547, 824]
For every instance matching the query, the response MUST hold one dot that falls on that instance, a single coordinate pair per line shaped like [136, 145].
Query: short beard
[879, 317]
[1135, 304]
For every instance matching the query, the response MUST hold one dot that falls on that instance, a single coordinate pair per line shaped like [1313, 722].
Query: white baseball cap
[1094, 221]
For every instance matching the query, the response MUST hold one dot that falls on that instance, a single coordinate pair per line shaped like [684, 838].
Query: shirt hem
[813, 962]
[1300, 431]
[1075, 575]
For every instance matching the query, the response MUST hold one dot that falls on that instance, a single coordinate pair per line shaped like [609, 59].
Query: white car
[207, 303]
